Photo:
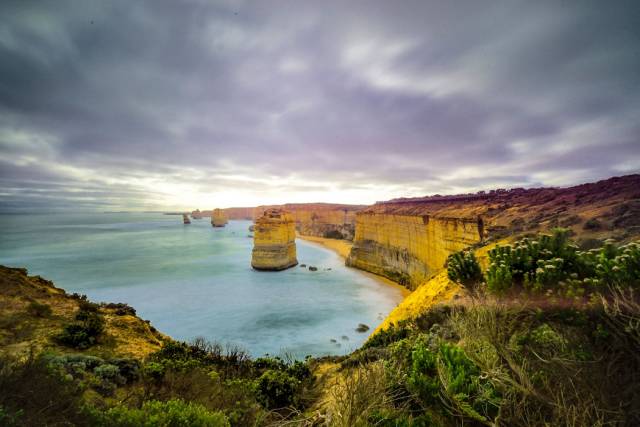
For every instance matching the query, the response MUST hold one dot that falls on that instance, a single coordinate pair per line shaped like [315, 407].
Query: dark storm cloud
[109, 100]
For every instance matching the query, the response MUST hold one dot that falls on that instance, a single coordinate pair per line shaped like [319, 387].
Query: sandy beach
[342, 248]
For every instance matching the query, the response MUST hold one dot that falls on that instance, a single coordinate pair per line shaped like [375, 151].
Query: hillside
[33, 311]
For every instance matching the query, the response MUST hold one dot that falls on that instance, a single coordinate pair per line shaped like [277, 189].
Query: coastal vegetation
[526, 316]
[527, 345]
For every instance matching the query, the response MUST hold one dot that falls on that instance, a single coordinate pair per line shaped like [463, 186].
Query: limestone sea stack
[218, 218]
[274, 241]
[185, 219]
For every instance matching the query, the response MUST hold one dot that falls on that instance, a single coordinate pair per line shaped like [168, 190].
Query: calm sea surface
[195, 280]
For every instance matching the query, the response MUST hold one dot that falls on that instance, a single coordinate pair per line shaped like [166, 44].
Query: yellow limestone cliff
[409, 249]
[274, 245]
[218, 218]
[336, 221]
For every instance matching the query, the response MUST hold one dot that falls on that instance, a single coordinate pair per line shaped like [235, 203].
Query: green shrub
[85, 332]
[276, 389]
[470, 394]
[423, 374]
[173, 413]
[9, 419]
[39, 310]
[34, 394]
[552, 263]
[463, 268]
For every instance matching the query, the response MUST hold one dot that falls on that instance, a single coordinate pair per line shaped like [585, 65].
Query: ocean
[196, 281]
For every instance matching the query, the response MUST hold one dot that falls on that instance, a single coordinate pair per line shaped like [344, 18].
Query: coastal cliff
[218, 218]
[336, 221]
[274, 246]
[408, 249]
[408, 240]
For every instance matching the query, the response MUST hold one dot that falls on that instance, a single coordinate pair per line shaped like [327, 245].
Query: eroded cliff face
[408, 240]
[274, 246]
[409, 249]
[218, 218]
[330, 220]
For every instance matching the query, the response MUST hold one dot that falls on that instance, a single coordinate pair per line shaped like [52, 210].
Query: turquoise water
[194, 280]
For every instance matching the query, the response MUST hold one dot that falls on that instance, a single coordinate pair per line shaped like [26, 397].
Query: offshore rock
[274, 245]
[218, 218]
[185, 219]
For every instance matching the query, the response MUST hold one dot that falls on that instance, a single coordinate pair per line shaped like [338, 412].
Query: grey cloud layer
[432, 96]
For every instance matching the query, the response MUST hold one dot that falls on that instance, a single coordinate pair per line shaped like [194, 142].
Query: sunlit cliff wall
[408, 240]
[409, 248]
[239, 213]
[274, 246]
[321, 219]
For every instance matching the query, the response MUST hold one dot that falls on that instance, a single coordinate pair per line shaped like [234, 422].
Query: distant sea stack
[218, 218]
[274, 241]
[185, 219]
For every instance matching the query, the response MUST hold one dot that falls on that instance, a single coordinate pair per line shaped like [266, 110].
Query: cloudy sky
[170, 105]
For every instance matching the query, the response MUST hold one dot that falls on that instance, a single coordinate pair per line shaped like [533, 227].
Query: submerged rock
[312, 268]
[303, 265]
[344, 338]
[362, 328]
[218, 218]
[274, 245]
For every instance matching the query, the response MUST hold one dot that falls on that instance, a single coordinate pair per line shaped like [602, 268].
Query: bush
[34, 394]
[39, 310]
[121, 309]
[174, 413]
[470, 394]
[423, 375]
[463, 268]
[85, 332]
[553, 263]
[276, 389]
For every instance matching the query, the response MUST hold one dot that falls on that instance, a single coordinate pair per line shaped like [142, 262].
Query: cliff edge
[33, 311]
[408, 240]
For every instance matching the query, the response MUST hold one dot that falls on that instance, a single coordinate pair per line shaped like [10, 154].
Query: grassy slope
[21, 329]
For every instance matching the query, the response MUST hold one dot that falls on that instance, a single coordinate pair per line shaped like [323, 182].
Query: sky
[152, 105]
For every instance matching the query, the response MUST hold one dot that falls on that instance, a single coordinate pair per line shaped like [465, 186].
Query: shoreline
[342, 248]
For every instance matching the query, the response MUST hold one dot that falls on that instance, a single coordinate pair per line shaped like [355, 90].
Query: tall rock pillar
[274, 241]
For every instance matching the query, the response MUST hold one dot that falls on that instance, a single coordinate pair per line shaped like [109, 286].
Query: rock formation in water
[218, 218]
[185, 219]
[409, 240]
[330, 220]
[274, 246]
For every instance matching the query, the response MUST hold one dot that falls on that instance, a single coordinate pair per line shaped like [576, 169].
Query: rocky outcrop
[218, 218]
[274, 246]
[330, 220]
[408, 249]
[25, 330]
[185, 219]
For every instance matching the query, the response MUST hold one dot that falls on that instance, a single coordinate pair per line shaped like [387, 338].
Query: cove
[196, 280]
